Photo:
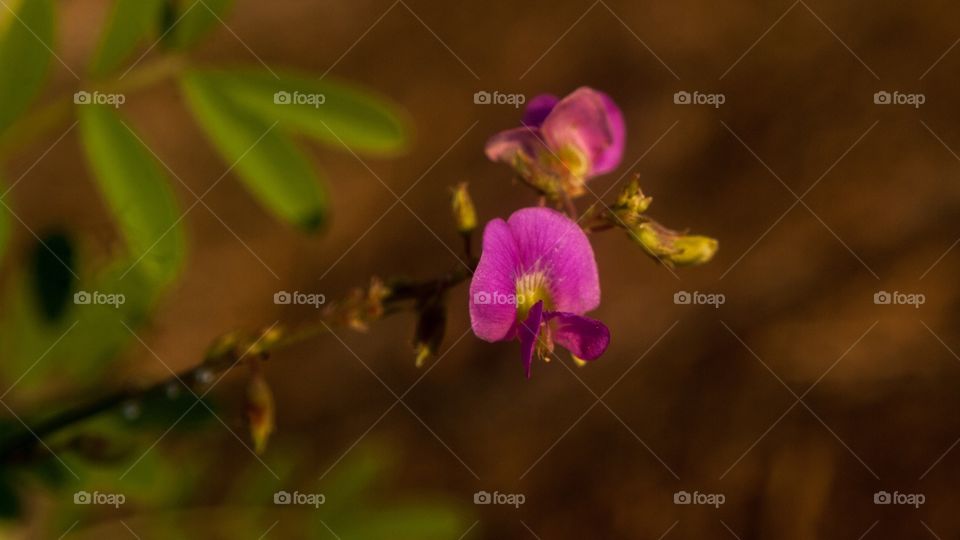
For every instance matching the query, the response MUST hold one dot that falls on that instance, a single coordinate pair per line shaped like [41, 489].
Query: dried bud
[464, 212]
[672, 247]
[361, 306]
[431, 326]
[260, 411]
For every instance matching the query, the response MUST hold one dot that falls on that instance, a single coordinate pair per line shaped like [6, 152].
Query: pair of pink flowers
[537, 274]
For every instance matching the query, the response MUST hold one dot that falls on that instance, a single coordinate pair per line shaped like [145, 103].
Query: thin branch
[228, 351]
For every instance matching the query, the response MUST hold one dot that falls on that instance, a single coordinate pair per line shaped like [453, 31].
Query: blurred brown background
[700, 399]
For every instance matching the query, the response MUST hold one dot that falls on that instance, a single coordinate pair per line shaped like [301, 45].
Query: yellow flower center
[573, 160]
[532, 288]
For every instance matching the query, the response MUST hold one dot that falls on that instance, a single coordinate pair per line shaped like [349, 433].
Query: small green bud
[431, 327]
[631, 203]
[693, 250]
[674, 248]
[653, 238]
[464, 212]
[632, 197]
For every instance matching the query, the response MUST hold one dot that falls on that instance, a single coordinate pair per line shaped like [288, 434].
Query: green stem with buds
[225, 354]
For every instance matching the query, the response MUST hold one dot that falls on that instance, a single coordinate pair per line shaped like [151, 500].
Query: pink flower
[563, 142]
[536, 278]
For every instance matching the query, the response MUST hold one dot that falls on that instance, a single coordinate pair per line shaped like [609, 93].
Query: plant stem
[25, 443]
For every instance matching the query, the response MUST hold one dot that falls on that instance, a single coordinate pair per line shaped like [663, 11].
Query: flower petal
[538, 109]
[590, 122]
[550, 242]
[586, 338]
[529, 331]
[515, 146]
[494, 279]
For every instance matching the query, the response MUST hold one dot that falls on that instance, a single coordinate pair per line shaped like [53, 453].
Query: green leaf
[26, 39]
[195, 17]
[135, 191]
[348, 115]
[53, 274]
[130, 23]
[265, 158]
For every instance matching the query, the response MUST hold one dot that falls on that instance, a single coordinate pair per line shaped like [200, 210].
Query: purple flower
[536, 277]
[563, 142]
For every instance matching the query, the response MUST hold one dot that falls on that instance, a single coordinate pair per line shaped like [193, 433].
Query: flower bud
[693, 250]
[362, 306]
[672, 247]
[464, 212]
[632, 201]
[431, 326]
[260, 411]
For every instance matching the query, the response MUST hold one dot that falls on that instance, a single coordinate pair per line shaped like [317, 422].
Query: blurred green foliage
[26, 30]
[348, 117]
[266, 159]
[4, 229]
[187, 21]
[136, 191]
[131, 22]
[52, 346]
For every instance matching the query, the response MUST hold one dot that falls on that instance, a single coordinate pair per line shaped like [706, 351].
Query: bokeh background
[797, 399]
